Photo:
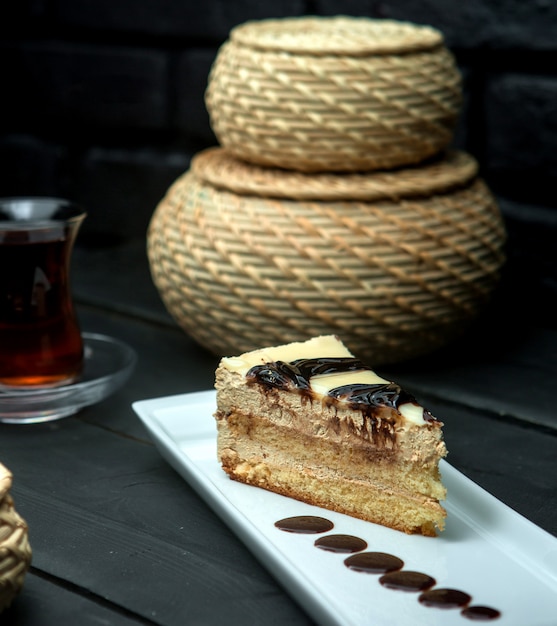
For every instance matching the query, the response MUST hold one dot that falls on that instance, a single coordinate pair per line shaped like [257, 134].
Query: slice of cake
[310, 421]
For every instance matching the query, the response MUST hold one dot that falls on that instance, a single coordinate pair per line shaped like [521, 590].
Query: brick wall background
[102, 102]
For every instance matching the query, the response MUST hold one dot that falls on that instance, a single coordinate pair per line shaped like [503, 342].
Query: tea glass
[40, 339]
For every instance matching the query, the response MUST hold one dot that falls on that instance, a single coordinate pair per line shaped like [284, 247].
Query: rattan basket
[334, 94]
[15, 551]
[394, 263]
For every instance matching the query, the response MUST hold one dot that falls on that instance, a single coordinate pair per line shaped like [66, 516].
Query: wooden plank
[168, 363]
[43, 602]
[107, 514]
[163, 581]
[514, 378]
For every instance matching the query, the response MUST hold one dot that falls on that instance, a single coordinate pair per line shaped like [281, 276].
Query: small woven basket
[395, 263]
[15, 551]
[334, 94]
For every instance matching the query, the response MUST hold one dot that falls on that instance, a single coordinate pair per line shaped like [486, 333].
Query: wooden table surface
[119, 538]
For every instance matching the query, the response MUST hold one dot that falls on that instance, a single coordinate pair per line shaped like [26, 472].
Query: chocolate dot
[480, 613]
[444, 598]
[373, 562]
[305, 524]
[407, 581]
[341, 543]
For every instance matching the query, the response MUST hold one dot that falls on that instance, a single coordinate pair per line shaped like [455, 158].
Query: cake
[310, 421]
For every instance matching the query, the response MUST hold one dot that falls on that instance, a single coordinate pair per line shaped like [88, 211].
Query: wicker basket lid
[220, 168]
[351, 36]
[395, 278]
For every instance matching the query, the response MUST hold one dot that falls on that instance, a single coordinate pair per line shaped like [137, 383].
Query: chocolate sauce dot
[341, 543]
[444, 598]
[305, 524]
[373, 562]
[407, 581]
[480, 613]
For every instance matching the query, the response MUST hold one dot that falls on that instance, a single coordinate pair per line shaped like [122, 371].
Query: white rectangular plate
[487, 550]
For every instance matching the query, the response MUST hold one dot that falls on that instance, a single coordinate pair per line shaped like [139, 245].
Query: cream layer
[324, 346]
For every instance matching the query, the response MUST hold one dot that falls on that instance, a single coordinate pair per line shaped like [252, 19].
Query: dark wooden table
[119, 538]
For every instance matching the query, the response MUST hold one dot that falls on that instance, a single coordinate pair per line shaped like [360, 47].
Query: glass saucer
[107, 365]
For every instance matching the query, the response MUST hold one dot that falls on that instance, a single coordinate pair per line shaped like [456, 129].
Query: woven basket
[395, 273]
[15, 551]
[334, 94]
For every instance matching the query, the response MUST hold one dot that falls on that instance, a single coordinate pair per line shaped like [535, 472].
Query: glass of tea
[40, 339]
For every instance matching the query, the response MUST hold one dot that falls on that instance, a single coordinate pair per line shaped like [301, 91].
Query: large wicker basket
[395, 263]
[15, 552]
[334, 94]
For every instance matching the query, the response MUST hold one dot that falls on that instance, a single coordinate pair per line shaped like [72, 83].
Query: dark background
[102, 102]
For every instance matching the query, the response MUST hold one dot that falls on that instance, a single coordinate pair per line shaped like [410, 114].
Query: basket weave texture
[334, 94]
[15, 551]
[394, 276]
[218, 167]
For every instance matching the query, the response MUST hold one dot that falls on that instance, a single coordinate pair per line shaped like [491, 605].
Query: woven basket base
[394, 279]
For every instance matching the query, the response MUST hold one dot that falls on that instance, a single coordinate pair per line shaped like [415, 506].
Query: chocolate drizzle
[297, 374]
[387, 395]
[389, 567]
[364, 397]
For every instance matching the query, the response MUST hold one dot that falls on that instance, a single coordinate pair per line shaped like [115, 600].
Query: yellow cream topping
[318, 347]
[315, 348]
